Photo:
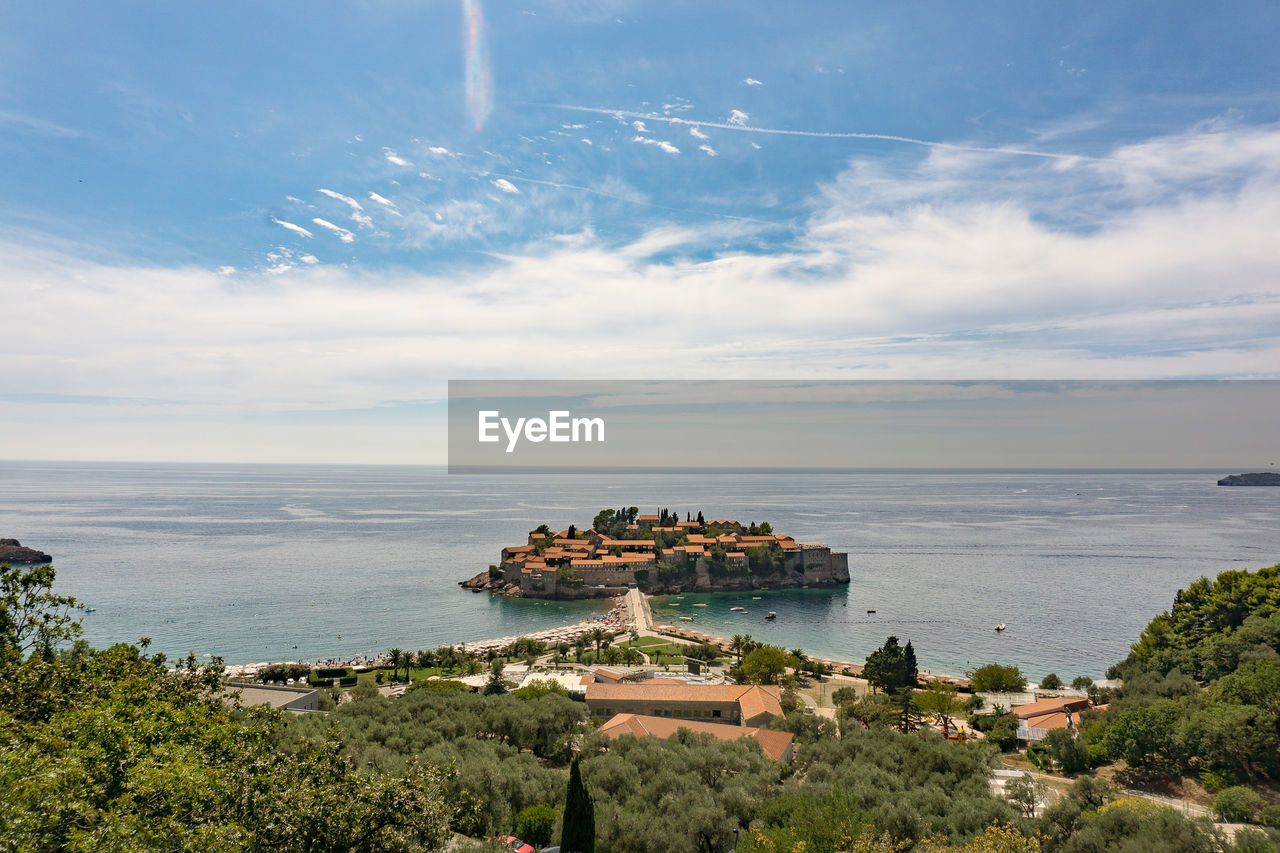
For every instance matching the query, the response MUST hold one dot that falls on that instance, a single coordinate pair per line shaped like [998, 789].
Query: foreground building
[777, 745]
[730, 704]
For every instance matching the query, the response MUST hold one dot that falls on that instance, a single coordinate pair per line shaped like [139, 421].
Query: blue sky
[271, 232]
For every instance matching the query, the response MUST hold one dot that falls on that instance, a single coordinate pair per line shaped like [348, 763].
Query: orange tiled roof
[759, 698]
[773, 743]
[1056, 704]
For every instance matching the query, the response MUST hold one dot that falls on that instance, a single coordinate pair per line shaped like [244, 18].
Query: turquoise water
[249, 561]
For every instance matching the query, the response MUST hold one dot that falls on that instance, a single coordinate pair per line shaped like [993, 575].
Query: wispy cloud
[660, 143]
[296, 229]
[395, 159]
[738, 122]
[391, 206]
[751, 81]
[441, 151]
[697, 134]
[710, 152]
[506, 186]
[343, 234]
[37, 124]
[345, 199]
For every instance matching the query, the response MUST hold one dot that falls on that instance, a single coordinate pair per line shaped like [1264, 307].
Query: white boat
[771, 615]
[739, 609]
[686, 618]
[699, 605]
[1001, 627]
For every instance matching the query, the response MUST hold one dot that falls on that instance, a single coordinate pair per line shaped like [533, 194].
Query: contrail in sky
[951, 146]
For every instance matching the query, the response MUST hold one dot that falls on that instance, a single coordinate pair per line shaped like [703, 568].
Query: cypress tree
[578, 831]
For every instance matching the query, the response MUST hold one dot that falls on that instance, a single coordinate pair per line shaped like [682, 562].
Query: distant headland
[658, 554]
[13, 551]
[1266, 478]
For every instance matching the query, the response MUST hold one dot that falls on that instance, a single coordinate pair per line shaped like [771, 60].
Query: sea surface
[286, 562]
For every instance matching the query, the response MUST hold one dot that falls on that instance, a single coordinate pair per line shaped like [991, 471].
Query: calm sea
[257, 563]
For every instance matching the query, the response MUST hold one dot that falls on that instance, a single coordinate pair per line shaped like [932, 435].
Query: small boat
[755, 598]
[90, 609]
[771, 615]
[1001, 627]
[869, 612]
[739, 609]
[686, 618]
[699, 605]
[673, 604]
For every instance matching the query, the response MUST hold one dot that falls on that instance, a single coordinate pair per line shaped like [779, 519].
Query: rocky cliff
[1263, 479]
[12, 551]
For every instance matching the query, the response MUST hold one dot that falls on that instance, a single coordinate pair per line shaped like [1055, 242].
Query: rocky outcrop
[1263, 479]
[12, 551]
[484, 582]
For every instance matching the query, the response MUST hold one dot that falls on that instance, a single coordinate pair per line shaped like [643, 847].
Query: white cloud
[394, 158]
[663, 144]
[639, 126]
[391, 206]
[751, 81]
[949, 268]
[711, 152]
[297, 229]
[587, 141]
[440, 151]
[345, 199]
[738, 118]
[506, 186]
[697, 134]
[343, 234]
[226, 270]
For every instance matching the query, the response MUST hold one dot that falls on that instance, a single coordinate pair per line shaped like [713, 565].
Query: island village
[658, 553]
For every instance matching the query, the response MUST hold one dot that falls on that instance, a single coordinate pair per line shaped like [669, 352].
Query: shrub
[997, 678]
[1081, 682]
[1270, 816]
[331, 672]
[1237, 805]
[1051, 682]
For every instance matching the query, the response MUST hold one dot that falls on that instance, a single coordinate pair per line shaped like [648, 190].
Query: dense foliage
[1201, 688]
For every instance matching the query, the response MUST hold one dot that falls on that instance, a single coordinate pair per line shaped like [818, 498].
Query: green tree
[534, 825]
[578, 830]
[997, 678]
[1051, 682]
[32, 617]
[942, 701]
[1081, 682]
[495, 686]
[1238, 805]
[764, 665]
[1066, 751]
[892, 668]
[116, 751]
[1026, 793]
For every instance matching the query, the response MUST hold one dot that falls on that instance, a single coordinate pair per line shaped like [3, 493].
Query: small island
[658, 554]
[1266, 478]
[13, 551]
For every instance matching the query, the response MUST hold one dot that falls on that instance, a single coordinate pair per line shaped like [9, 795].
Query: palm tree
[597, 636]
[612, 655]
[632, 655]
[580, 645]
[395, 657]
[739, 644]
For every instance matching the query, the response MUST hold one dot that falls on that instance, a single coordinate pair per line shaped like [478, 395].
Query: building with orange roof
[735, 704]
[777, 745]
[1037, 719]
